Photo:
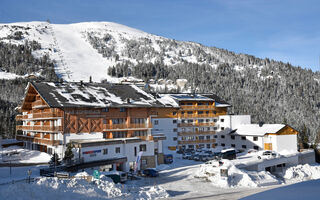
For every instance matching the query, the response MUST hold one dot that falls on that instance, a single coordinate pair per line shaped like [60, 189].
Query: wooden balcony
[39, 104]
[110, 127]
[36, 116]
[198, 107]
[38, 140]
[196, 141]
[196, 124]
[148, 138]
[40, 128]
[195, 133]
[195, 115]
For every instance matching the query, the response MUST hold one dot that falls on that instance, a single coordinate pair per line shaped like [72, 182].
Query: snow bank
[76, 188]
[302, 173]
[236, 177]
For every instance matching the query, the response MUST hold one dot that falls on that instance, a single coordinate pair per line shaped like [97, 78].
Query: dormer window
[122, 109]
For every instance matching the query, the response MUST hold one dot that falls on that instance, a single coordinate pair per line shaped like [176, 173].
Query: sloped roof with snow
[256, 130]
[94, 95]
[174, 99]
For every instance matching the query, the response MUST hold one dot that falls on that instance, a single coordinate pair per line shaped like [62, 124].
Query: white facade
[167, 127]
[128, 150]
[237, 131]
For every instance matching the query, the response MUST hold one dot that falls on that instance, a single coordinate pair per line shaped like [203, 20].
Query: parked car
[186, 155]
[150, 172]
[116, 176]
[196, 157]
[268, 154]
[229, 154]
[168, 159]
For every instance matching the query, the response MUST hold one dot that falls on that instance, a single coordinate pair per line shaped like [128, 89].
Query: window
[243, 137]
[215, 136]
[140, 133]
[135, 151]
[233, 137]
[223, 144]
[105, 110]
[143, 147]
[208, 146]
[175, 138]
[222, 136]
[244, 146]
[175, 130]
[105, 151]
[201, 120]
[174, 113]
[215, 128]
[138, 120]
[190, 120]
[182, 112]
[201, 137]
[122, 109]
[200, 112]
[207, 120]
[119, 134]
[221, 120]
[117, 149]
[207, 112]
[255, 138]
[214, 112]
[119, 121]
[256, 147]
[215, 144]
[190, 112]
[208, 137]
[189, 104]
[144, 162]
[222, 128]
[233, 145]
[215, 120]
[174, 121]
[156, 122]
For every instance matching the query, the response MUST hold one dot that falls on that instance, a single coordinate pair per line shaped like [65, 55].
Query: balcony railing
[196, 141]
[196, 124]
[45, 115]
[40, 128]
[38, 104]
[195, 115]
[38, 140]
[196, 133]
[127, 126]
[197, 107]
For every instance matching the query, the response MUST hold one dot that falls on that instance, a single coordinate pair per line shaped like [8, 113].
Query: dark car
[168, 159]
[150, 172]
[229, 154]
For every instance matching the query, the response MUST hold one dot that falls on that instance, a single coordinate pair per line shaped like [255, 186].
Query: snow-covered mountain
[88, 49]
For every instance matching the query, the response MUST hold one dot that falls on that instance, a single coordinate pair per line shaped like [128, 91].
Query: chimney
[261, 124]
[81, 82]
[90, 79]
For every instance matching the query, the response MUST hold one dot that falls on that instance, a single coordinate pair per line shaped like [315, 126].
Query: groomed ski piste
[182, 179]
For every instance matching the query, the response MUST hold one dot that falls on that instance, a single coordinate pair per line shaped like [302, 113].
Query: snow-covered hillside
[88, 49]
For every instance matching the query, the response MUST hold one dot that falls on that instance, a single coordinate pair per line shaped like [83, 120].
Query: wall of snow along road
[242, 178]
[79, 188]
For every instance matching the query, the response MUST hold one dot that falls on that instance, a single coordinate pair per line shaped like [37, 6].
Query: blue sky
[286, 30]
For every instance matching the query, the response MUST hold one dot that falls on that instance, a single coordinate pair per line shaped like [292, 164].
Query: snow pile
[79, 188]
[302, 172]
[236, 177]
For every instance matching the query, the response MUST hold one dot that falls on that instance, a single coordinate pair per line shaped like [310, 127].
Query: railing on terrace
[197, 107]
[45, 115]
[196, 124]
[196, 141]
[38, 140]
[197, 115]
[127, 126]
[39, 128]
[196, 133]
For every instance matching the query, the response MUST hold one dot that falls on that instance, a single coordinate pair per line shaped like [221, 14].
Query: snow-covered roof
[174, 99]
[98, 95]
[256, 130]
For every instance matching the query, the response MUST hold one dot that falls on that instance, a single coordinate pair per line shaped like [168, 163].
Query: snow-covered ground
[78, 188]
[182, 179]
[16, 154]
